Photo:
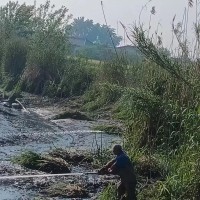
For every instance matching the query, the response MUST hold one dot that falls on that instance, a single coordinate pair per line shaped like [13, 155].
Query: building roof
[126, 47]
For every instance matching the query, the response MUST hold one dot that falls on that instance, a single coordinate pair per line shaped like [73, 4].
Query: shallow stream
[21, 131]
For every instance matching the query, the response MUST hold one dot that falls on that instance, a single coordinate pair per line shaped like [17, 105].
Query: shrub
[76, 78]
[14, 60]
[114, 72]
[101, 95]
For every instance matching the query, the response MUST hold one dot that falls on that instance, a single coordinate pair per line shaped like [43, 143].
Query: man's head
[117, 149]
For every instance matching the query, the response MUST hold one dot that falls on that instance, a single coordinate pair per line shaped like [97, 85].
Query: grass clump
[47, 164]
[72, 158]
[158, 118]
[28, 159]
[110, 192]
[149, 167]
[114, 72]
[101, 157]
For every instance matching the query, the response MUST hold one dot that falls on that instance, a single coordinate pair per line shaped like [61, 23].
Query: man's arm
[110, 163]
[113, 169]
[119, 163]
[104, 169]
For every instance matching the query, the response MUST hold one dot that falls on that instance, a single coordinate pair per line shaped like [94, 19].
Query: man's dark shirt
[122, 161]
[124, 168]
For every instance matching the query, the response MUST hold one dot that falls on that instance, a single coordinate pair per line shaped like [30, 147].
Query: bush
[114, 72]
[76, 78]
[101, 95]
[45, 61]
[14, 61]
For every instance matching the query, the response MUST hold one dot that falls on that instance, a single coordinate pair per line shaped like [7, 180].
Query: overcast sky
[127, 11]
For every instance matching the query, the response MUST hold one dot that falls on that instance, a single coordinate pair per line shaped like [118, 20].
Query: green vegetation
[34, 54]
[56, 161]
[157, 98]
[28, 159]
[47, 164]
[109, 193]
[159, 102]
[72, 158]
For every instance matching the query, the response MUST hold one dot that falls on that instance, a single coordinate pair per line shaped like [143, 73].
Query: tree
[96, 33]
[16, 19]
[34, 45]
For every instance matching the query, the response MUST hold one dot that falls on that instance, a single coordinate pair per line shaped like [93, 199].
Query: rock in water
[6, 104]
[16, 106]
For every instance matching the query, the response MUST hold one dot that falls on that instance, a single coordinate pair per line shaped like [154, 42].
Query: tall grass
[76, 78]
[109, 193]
[159, 102]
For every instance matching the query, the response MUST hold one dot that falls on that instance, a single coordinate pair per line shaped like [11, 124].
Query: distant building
[127, 49]
[130, 52]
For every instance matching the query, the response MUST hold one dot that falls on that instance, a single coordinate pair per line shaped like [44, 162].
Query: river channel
[21, 131]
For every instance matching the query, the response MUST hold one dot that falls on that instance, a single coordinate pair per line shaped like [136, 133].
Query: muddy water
[27, 131]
